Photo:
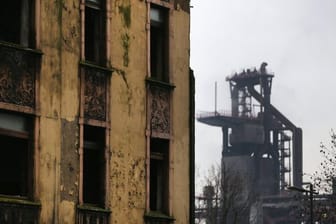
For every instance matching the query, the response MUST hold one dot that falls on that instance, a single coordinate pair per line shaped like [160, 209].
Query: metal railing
[18, 71]
[224, 113]
[19, 211]
[89, 215]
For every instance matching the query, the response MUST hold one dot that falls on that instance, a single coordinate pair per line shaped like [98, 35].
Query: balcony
[19, 211]
[19, 68]
[92, 215]
[159, 107]
[95, 84]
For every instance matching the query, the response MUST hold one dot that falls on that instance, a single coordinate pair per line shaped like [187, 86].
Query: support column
[225, 147]
[297, 157]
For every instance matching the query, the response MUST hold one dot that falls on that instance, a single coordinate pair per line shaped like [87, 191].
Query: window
[95, 32]
[159, 43]
[159, 172]
[17, 22]
[16, 155]
[94, 166]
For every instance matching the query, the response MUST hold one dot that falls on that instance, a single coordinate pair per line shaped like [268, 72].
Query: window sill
[156, 82]
[92, 208]
[158, 216]
[18, 200]
[95, 66]
[19, 47]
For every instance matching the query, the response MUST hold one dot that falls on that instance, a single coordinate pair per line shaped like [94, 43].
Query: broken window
[159, 43]
[159, 172]
[17, 22]
[95, 31]
[94, 166]
[16, 155]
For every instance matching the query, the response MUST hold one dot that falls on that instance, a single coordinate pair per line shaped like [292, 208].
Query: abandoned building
[96, 112]
[262, 146]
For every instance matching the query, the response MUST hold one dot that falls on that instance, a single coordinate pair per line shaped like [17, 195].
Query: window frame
[97, 42]
[98, 146]
[25, 25]
[159, 163]
[29, 148]
[159, 58]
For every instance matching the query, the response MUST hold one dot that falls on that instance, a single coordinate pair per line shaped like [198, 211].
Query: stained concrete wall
[58, 163]
[59, 101]
[128, 112]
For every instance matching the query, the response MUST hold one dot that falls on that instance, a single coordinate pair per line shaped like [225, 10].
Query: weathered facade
[96, 112]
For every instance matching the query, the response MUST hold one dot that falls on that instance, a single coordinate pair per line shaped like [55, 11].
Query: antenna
[215, 97]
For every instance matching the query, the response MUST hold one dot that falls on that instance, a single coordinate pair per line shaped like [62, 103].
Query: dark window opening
[94, 32]
[159, 44]
[159, 174]
[17, 22]
[16, 156]
[94, 166]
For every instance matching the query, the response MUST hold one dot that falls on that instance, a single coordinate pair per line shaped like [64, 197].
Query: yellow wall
[59, 100]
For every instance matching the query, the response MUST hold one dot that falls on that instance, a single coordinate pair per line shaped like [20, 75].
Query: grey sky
[297, 38]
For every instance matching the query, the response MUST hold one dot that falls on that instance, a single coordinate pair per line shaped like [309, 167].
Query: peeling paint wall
[59, 113]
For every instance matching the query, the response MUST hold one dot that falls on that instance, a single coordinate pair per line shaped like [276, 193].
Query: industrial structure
[96, 112]
[259, 142]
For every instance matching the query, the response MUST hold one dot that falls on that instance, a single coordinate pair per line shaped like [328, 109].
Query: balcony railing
[19, 211]
[159, 108]
[18, 71]
[92, 215]
[95, 81]
[224, 113]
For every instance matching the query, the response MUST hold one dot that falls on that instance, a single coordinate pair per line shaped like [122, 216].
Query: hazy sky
[297, 38]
